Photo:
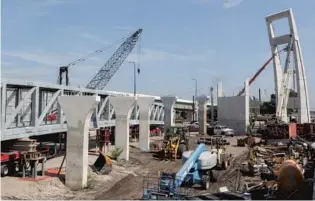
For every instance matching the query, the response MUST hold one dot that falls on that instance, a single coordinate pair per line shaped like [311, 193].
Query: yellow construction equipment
[103, 164]
[175, 142]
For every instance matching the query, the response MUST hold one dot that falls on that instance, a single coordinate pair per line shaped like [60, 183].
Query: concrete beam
[122, 106]
[168, 102]
[219, 90]
[145, 103]
[78, 111]
[202, 119]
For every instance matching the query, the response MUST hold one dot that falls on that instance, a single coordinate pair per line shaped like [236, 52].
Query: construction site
[64, 142]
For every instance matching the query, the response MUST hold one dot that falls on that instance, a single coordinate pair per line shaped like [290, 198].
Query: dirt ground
[124, 182]
[131, 187]
[52, 188]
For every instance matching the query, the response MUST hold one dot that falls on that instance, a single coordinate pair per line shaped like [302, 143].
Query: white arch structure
[156, 111]
[292, 40]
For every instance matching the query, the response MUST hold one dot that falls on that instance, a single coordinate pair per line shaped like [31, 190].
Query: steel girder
[29, 109]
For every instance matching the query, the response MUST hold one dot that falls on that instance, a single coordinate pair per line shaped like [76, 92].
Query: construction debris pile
[280, 170]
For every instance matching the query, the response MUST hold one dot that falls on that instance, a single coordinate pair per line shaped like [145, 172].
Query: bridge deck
[31, 108]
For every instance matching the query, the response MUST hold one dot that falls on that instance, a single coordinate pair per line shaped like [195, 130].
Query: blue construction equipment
[197, 168]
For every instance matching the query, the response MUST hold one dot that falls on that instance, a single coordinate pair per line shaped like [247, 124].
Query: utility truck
[223, 130]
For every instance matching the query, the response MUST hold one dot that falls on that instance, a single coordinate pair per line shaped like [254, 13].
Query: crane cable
[92, 54]
[96, 52]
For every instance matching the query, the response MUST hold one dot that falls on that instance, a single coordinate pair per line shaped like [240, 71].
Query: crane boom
[284, 90]
[189, 164]
[259, 71]
[256, 75]
[64, 69]
[104, 75]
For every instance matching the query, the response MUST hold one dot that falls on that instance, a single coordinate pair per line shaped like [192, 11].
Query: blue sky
[208, 40]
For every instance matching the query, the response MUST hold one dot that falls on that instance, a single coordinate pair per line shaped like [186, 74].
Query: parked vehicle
[223, 130]
[194, 126]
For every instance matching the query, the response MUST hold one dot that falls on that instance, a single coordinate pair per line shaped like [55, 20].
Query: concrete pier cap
[145, 104]
[168, 102]
[123, 108]
[78, 111]
[202, 110]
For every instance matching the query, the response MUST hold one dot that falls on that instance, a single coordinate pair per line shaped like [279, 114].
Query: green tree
[269, 107]
[292, 93]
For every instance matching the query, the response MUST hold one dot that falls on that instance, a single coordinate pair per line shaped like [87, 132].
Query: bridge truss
[27, 108]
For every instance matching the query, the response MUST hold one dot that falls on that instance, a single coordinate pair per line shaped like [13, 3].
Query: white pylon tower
[282, 77]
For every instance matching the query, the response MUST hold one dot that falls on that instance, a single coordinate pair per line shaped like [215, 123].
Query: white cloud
[126, 28]
[44, 65]
[48, 3]
[231, 3]
[43, 58]
[94, 38]
[226, 3]
[23, 10]
[7, 63]
[203, 1]
[158, 55]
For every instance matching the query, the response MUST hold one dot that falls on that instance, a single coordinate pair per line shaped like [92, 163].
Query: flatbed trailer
[10, 162]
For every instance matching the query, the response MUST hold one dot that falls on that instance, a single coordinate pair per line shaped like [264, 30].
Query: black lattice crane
[110, 67]
[104, 75]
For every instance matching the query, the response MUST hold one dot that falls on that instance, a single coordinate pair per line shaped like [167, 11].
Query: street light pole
[135, 85]
[135, 91]
[212, 108]
[196, 112]
[134, 78]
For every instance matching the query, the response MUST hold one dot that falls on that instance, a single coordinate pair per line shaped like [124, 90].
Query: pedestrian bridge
[30, 108]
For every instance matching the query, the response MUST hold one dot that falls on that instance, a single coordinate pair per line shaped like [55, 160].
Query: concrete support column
[145, 104]
[219, 90]
[190, 115]
[122, 107]
[168, 102]
[202, 119]
[78, 111]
